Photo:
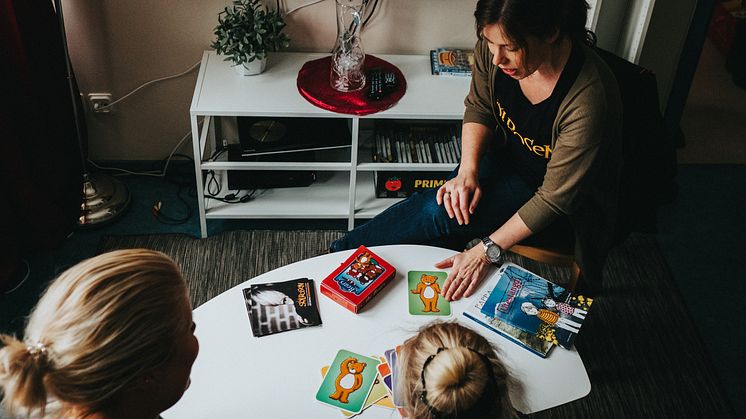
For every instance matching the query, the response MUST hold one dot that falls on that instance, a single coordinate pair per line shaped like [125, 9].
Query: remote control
[389, 81]
[376, 84]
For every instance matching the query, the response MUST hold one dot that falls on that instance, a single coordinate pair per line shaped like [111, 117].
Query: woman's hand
[460, 196]
[467, 270]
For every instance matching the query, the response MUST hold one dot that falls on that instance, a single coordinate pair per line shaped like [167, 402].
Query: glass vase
[347, 72]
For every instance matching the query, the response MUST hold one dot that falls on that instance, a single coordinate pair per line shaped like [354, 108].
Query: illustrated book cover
[531, 303]
[451, 62]
[281, 306]
[525, 339]
[357, 279]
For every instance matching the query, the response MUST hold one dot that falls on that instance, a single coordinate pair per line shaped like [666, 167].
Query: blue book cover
[533, 304]
[525, 339]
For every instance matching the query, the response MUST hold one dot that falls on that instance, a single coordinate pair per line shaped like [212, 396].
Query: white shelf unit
[344, 185]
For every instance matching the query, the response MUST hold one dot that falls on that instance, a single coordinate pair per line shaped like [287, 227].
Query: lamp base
[104, 199]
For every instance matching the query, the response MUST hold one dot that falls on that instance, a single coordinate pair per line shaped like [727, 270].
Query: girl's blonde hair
[461, 372]
[98, 326]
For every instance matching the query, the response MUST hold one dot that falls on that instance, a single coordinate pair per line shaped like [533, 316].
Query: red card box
[358, 279]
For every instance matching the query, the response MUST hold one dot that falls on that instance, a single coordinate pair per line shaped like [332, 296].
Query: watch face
[493, 253]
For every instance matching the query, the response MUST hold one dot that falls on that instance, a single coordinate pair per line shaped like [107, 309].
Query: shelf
[366, 203]
[221, 92]
[327, 197]
[336, 159]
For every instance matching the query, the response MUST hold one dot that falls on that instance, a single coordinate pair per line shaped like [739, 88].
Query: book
[451, 62]
[530, 341]
[281, 306]
[358, 279]
[529, 302]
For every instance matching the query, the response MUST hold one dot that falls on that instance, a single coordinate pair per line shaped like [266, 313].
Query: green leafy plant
[246, 32]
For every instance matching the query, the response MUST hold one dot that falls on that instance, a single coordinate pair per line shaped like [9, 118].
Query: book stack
[451, 62]
[529, 310]
[418, 145]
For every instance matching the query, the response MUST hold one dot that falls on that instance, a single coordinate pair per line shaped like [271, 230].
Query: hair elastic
[37, 350]
[435, 413]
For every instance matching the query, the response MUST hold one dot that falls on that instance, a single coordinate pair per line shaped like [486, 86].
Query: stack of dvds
[435, 145]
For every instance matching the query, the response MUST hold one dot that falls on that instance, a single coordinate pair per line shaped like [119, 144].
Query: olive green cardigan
[582, 177]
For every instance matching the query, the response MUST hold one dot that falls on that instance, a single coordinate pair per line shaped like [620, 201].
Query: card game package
[281, 306]
[358, 279]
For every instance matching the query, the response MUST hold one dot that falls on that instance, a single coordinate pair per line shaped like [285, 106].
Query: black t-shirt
[528, 127]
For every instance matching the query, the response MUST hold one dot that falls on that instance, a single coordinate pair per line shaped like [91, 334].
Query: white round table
[237, 375]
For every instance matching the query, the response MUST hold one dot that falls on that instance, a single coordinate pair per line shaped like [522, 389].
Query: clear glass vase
[347, 72]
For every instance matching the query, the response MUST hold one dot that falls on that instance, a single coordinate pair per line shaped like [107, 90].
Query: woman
[540, 149]
[450, 371]
[112, 337]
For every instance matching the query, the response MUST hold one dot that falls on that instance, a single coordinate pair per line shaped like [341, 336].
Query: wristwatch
[492, 251]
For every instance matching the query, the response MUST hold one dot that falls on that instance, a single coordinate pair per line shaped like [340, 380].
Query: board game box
[358, 279]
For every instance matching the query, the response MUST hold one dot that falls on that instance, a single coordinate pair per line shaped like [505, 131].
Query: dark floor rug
[639, 345]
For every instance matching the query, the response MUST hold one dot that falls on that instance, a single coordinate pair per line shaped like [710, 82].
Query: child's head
[111, 323]
[448, 370]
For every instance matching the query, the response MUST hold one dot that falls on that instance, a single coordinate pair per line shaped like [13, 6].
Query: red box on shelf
[358, 279]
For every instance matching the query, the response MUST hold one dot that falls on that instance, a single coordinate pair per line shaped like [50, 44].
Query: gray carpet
[642, 352]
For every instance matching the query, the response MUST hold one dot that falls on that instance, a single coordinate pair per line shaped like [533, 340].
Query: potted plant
[246, 32]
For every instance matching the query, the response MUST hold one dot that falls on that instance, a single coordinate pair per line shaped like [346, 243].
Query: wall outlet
[99, 102]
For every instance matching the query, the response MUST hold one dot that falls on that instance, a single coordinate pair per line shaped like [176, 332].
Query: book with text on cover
[529, 302]
[451, 62]
[281, 306]
[525, 339]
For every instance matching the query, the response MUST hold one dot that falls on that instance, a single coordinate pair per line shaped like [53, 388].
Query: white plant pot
[252, 68]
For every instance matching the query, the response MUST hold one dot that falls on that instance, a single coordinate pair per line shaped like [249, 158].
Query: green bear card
[424, 293]
[348, 382]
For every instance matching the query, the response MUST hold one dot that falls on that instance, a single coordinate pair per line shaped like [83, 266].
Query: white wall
[664, 42]
[118, 45]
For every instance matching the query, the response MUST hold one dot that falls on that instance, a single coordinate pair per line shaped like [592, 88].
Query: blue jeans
[420, 220]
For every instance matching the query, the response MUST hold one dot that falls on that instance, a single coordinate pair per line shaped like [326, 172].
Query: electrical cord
[135, 90]
[22, 281]
[372, 11]
[152, 173]
[185, 180]
[311, 3]
[214, 187]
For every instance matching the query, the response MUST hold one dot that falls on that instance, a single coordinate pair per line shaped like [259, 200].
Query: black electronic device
[375, 82]
[275, 135]
[389, 82]
[267, 179]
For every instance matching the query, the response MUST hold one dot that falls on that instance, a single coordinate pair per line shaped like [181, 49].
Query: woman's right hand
[460, 196]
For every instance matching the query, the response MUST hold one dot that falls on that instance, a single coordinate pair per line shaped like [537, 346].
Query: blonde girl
[450, 371]
[111, 337]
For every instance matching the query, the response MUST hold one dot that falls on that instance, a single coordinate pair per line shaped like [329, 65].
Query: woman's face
[510, 58]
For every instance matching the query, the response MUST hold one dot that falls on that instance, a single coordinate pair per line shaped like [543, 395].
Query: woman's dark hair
[521, 19]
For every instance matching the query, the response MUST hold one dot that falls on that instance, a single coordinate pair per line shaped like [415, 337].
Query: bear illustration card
[349, 381]
[424, 293]
[377, 395]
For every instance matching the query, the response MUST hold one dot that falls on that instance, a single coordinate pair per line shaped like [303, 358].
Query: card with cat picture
[349, 381]
[424, 293]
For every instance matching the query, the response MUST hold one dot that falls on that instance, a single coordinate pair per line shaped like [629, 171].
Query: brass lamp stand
[104, 197]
